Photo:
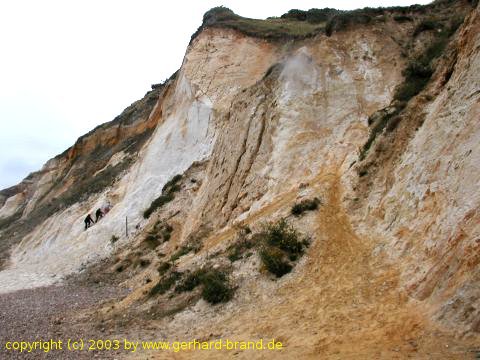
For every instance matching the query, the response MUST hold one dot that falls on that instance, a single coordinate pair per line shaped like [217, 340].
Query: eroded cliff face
[255, 126]
[424, 203]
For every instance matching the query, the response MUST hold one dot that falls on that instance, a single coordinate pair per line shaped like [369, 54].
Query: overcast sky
[67, 66]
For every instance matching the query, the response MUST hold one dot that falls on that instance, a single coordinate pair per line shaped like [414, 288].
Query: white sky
[67, 66]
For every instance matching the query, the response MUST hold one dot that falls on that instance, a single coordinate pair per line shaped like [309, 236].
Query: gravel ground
[53, 312]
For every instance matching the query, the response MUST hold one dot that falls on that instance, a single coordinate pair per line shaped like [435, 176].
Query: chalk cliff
[374, 112]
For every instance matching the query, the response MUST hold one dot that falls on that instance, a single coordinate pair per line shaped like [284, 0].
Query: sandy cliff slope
[378, 119]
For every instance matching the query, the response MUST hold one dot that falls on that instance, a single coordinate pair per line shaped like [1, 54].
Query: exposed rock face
[255, 125]
[426, 208]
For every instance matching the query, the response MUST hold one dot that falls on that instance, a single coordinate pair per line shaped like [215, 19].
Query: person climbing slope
[88, 221]
[98, 214]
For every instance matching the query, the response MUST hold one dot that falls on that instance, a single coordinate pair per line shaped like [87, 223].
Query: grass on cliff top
[300, 24]
[273, 28]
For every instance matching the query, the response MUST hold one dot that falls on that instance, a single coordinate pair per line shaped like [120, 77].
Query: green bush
[184, 250]
[167, 195]
[236, 251]
[402, 18]
[151, 240]
[163, 267]
[305, 205]
[410, 88]
[420, 70]
[7, 221]
[171, 183]
[160, 233]
[157, 203]
[316, 16]
[219, 13]
[166, 234]
[454, 24]
[283, 236]
[274, 261]
[165, 283]
[379, 126]
[216, 287]
[192, 280]
[344, 20]
[271, 29]
[417, 75]
[362, 172]
[280, 243]
[296, 14]
[425, 25]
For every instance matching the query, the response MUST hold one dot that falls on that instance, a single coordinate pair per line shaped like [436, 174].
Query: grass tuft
[168, 194]
[215, 283]
[275, 262]
[165, 283]
[281, 245]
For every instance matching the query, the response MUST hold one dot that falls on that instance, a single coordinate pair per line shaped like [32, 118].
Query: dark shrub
[427, 24]
[417, 75]
[144, 263]
[166, 235]
[163, 267]
[273, 259]
[280, 243]
[411, 88]
[418, 68]
[419, 71]
[343, 20]
[383, 117]
[236, 251]
[165, 283]
[305, 205]
[192, 280]
[454, 24]
[185, 249]
[160, 233]
[219, 13]
[295, 14]
[168, 191]
[243, 242]
[172, 182]
[402, 18]
[316, 16]
[158, 202]
[284, 237]
[152, 241]
[216, 287]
